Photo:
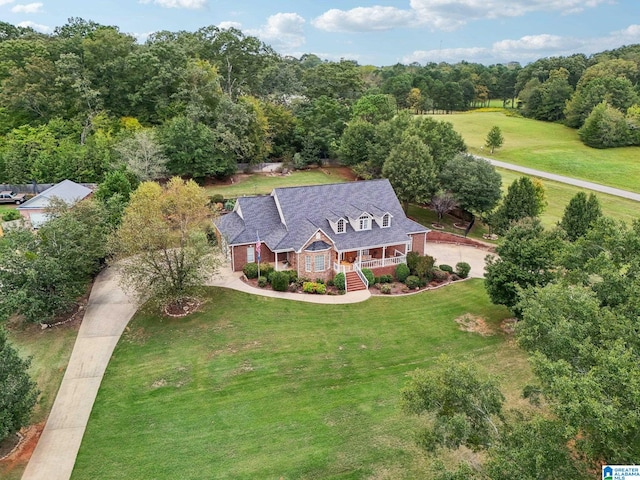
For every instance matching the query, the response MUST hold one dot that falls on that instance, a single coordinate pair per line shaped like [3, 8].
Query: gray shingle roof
[70, 192]
[307, 209]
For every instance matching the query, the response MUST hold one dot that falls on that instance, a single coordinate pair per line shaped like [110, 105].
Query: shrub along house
[322, 230]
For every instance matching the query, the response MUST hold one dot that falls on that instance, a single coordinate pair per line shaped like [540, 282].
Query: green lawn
[559, 194]
[50, 351]
[261, 388]
[549, 147]
[258, 184]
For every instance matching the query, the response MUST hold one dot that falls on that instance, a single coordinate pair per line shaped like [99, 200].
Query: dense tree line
[573, 290]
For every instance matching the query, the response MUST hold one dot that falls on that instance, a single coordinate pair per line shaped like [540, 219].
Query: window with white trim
[341, 226]
[307, 263]
[364, 222]
[386, 220]
[319, 263]
[251, 257]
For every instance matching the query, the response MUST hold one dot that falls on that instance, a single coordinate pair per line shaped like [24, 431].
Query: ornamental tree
[162, 241]
[494, 138]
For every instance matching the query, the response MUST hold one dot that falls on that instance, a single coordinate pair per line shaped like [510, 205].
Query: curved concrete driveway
[568, 180]
[108, 311]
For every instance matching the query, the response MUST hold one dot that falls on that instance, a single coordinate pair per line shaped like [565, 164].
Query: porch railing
[356, 269]
[373, 263]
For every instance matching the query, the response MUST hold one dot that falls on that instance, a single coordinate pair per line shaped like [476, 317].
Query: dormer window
[341, 226]
[364, 222]
[386, 220]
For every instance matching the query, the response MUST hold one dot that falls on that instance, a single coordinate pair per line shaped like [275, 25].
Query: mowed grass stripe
[256, 387]
[550, 147]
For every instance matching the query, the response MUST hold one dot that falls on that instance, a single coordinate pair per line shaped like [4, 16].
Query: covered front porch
[371, 258]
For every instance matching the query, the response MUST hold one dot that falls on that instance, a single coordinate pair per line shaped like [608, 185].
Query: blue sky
[371, 32]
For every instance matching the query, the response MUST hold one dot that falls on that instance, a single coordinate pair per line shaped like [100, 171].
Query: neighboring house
[34, 210]
[322, 230]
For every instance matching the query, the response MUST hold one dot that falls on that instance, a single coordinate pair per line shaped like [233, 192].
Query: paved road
[568, 180]
[108, 312]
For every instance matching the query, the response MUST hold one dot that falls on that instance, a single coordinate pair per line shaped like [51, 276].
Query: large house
[322, 230]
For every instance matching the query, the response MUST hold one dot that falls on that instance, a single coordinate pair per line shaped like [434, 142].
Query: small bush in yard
[463, 269]
[439, 275]
[262, 282]
[10, 215]
[250, 270]
[368, 274]
[385, 279]
[385, 288]
[412, 261]
[265, 269]
[412, 282]
[293, 275]
[280, 281]
[339, 281]
[314, 287]
[446, 268]
[319, 280]
[402, 272]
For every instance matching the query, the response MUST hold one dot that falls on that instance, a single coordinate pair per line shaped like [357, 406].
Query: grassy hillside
[549, 147]
[255, 387]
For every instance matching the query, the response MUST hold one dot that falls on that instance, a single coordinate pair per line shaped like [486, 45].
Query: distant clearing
[549, 147]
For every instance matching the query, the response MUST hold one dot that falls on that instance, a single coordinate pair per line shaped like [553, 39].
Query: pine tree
[494, 138]
[580, 214]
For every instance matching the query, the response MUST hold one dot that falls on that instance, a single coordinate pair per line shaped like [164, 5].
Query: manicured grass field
[549, 147]
[559, 194]
[260, 184]
[261, 388]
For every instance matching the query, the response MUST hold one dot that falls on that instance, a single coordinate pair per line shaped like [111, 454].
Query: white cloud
[36, 26]
[188, 4]
[27, 8]
[5, 2]
[529, 48]
[451, 55]
[229, 24]
[142, 37]
[440, 14]
[364, 19]
[282, 30]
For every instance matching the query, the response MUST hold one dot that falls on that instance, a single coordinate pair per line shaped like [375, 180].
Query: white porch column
[277, 267]
[384, 254]
[360, 258]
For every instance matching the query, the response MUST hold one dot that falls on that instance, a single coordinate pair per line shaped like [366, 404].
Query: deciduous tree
[464, 406]
[18, 393]
[162, 242]
[411, 171]
[473, 181]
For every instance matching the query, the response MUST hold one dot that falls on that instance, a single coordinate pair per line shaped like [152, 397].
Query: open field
[559, 194]
[549, 147]
[260, 184]
[255, 387]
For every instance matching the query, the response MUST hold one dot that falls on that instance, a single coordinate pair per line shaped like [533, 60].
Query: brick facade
[418, 245]
[330, 256]
[240, 255]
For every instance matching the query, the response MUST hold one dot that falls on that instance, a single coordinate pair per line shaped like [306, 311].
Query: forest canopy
[88, 98]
